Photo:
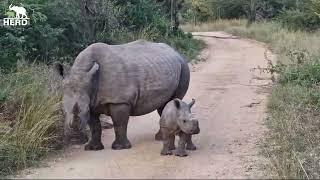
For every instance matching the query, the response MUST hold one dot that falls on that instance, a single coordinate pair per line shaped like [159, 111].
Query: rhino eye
[184, 121]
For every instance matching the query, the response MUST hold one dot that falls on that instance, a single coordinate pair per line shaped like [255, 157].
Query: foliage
[60, 29]
[297, 14]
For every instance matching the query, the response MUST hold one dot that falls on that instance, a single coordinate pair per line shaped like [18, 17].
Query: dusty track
[230, 108]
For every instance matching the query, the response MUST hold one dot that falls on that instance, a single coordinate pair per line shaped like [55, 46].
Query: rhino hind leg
[158, 136]
[120, 117]
[95, 143]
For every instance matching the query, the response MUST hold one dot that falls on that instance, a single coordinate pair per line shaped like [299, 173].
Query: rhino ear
[192, 103]
[58, 67]
[177, 103]
[94, 69]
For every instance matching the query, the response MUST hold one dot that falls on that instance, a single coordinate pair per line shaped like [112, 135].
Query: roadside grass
[30, 117]
[292, 143]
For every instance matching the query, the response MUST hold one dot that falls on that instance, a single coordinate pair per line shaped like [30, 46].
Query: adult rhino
[120, 81]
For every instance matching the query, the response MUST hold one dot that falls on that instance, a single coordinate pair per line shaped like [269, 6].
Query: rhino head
[187, 123]
[78, 96]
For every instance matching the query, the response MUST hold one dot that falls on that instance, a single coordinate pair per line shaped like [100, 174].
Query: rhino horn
[192, 103]
[94, 69]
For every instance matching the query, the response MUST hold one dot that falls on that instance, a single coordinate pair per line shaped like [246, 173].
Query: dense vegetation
[295, 14]
[292, 31]
[30, 92]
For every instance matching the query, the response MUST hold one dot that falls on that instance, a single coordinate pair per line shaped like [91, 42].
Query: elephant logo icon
[21, 12]
[16, 16]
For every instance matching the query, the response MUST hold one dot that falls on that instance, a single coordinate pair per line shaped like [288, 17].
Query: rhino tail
[183, 82]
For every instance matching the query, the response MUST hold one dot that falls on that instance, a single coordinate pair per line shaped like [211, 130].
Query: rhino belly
[152, 100]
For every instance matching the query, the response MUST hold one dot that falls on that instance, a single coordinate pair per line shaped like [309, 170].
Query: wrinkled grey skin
[120, 81]
[176, 119]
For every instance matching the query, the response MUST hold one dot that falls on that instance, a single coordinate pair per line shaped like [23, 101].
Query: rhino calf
[175, 120]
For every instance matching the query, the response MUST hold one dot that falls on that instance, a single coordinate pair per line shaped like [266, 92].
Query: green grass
[30, 119]
[292, 143]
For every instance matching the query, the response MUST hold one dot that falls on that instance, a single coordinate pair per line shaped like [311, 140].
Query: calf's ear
[192, 103]
[177, 103]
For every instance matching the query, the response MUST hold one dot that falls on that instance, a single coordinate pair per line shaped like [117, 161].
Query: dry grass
[30, 116]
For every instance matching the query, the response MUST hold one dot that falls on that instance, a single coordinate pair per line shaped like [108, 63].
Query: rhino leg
[181, 150]
[167, 142]
[120, 117]
[95, 128]
[190, 145]
[158, 136]
[171, 142]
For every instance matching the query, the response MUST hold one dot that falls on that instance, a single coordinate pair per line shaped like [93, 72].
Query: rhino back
[142, 74]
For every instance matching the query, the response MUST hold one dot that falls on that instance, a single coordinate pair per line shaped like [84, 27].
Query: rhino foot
[121, 145]
[191, 147]
[181, 153]
[165, 152]
[93, 146]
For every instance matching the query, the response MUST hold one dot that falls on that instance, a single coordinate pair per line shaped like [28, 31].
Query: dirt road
[230, 108]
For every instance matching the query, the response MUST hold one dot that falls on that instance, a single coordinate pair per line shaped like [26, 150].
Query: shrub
[297, 19]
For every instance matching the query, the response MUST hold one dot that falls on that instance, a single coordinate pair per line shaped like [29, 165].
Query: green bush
[307, 74]
[297, 19]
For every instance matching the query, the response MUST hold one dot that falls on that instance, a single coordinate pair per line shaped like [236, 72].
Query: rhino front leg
[190, 145]
[167, 142]
[181, 150]
[95, 128]
[120, 117]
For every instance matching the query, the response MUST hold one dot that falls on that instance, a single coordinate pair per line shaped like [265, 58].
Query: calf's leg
[167, 142]
[181, 150]
[190, 145]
